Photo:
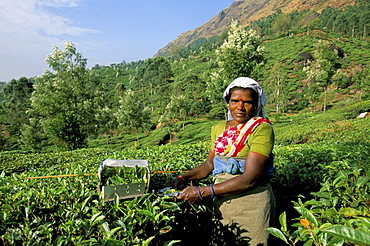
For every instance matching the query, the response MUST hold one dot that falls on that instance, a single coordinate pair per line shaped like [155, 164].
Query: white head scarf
[245, 82]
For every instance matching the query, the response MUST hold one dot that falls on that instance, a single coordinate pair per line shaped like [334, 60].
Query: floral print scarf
[231, 142]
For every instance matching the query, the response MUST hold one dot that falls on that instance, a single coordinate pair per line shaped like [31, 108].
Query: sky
[104, 31]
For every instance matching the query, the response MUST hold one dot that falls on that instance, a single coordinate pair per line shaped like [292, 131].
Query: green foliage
[277, 87]
[329, 171]
[239, 56]
[314, 128]
[362, 84]
[191, 86]
[69, 210]
[352, 21]
[196, 132]
[325, 66]
[16, 102]
[178, 108]
[46, 210]
[339, 212]
[65, 102]
[132, 114]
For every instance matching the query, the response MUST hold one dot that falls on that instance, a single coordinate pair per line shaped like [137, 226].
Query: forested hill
[247, 11]
[307, 62]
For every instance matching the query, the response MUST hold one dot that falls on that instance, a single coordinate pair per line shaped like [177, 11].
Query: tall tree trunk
[364, 34]
[325, 98]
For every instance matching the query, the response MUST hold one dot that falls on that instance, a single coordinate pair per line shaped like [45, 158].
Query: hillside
[247, 11]
[173, 97]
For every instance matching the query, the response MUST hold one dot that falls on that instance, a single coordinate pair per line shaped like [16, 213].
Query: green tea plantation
[322, 192]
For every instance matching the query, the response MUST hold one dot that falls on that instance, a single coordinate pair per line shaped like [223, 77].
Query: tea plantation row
[69, 211]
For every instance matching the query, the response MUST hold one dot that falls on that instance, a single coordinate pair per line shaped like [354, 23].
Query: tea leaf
[111, 233]
[331, 212]
[170, 206]
[283, 223]
[308, 243]
[146, 242]
[338, 182]
[277, 233]
[326, 225]
[3, 216]
[146, 213]
[96, 218]
[306, 213]
[105, 227]
[114, 242]
[321, 194]
[349, 234]
[349, 212]
[170, 243]
[362, 180]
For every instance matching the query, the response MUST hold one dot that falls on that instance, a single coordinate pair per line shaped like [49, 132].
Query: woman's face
[242, 104]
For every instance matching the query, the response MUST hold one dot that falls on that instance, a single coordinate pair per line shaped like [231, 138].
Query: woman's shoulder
[267, 124]
[219, 127]
[264, 129]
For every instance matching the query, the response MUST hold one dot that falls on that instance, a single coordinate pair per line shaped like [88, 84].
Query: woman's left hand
[190, 194]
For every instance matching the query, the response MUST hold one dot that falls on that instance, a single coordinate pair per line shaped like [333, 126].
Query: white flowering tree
[239, 56]
[66, 101]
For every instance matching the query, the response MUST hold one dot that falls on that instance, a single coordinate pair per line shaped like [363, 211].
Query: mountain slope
[246, 11]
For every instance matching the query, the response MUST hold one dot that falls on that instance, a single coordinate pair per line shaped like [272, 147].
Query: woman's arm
[201, 171]
[253, 168]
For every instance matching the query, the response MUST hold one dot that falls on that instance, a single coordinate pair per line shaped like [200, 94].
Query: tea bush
[69, 211]
[327, 180]
[337, 126]
[339, 213]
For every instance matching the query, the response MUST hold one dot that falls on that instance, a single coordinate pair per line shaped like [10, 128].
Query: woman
[240, 160]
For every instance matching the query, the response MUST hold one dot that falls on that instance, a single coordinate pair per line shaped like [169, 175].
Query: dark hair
[254, 94]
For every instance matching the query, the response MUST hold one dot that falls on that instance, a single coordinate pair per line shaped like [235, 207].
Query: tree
[239, 56]
[153, 81]
[158, 77]
[277, 87]
[177, 52]
[362, 81]
[192, 87]
[339, 80]
[67, 101]
[132, 114]
[17, 94]
[178, 109]
[323, 68]
[282, 24]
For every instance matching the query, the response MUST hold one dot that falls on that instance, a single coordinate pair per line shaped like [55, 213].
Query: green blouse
[260, 141]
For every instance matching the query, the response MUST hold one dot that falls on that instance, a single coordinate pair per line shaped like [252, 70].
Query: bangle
[212, 191]
[182, 178]
[199, 195]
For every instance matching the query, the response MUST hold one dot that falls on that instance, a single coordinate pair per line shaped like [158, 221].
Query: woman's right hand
[190, 194]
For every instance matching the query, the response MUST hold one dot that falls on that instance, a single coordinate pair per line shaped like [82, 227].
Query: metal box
[126, 178]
